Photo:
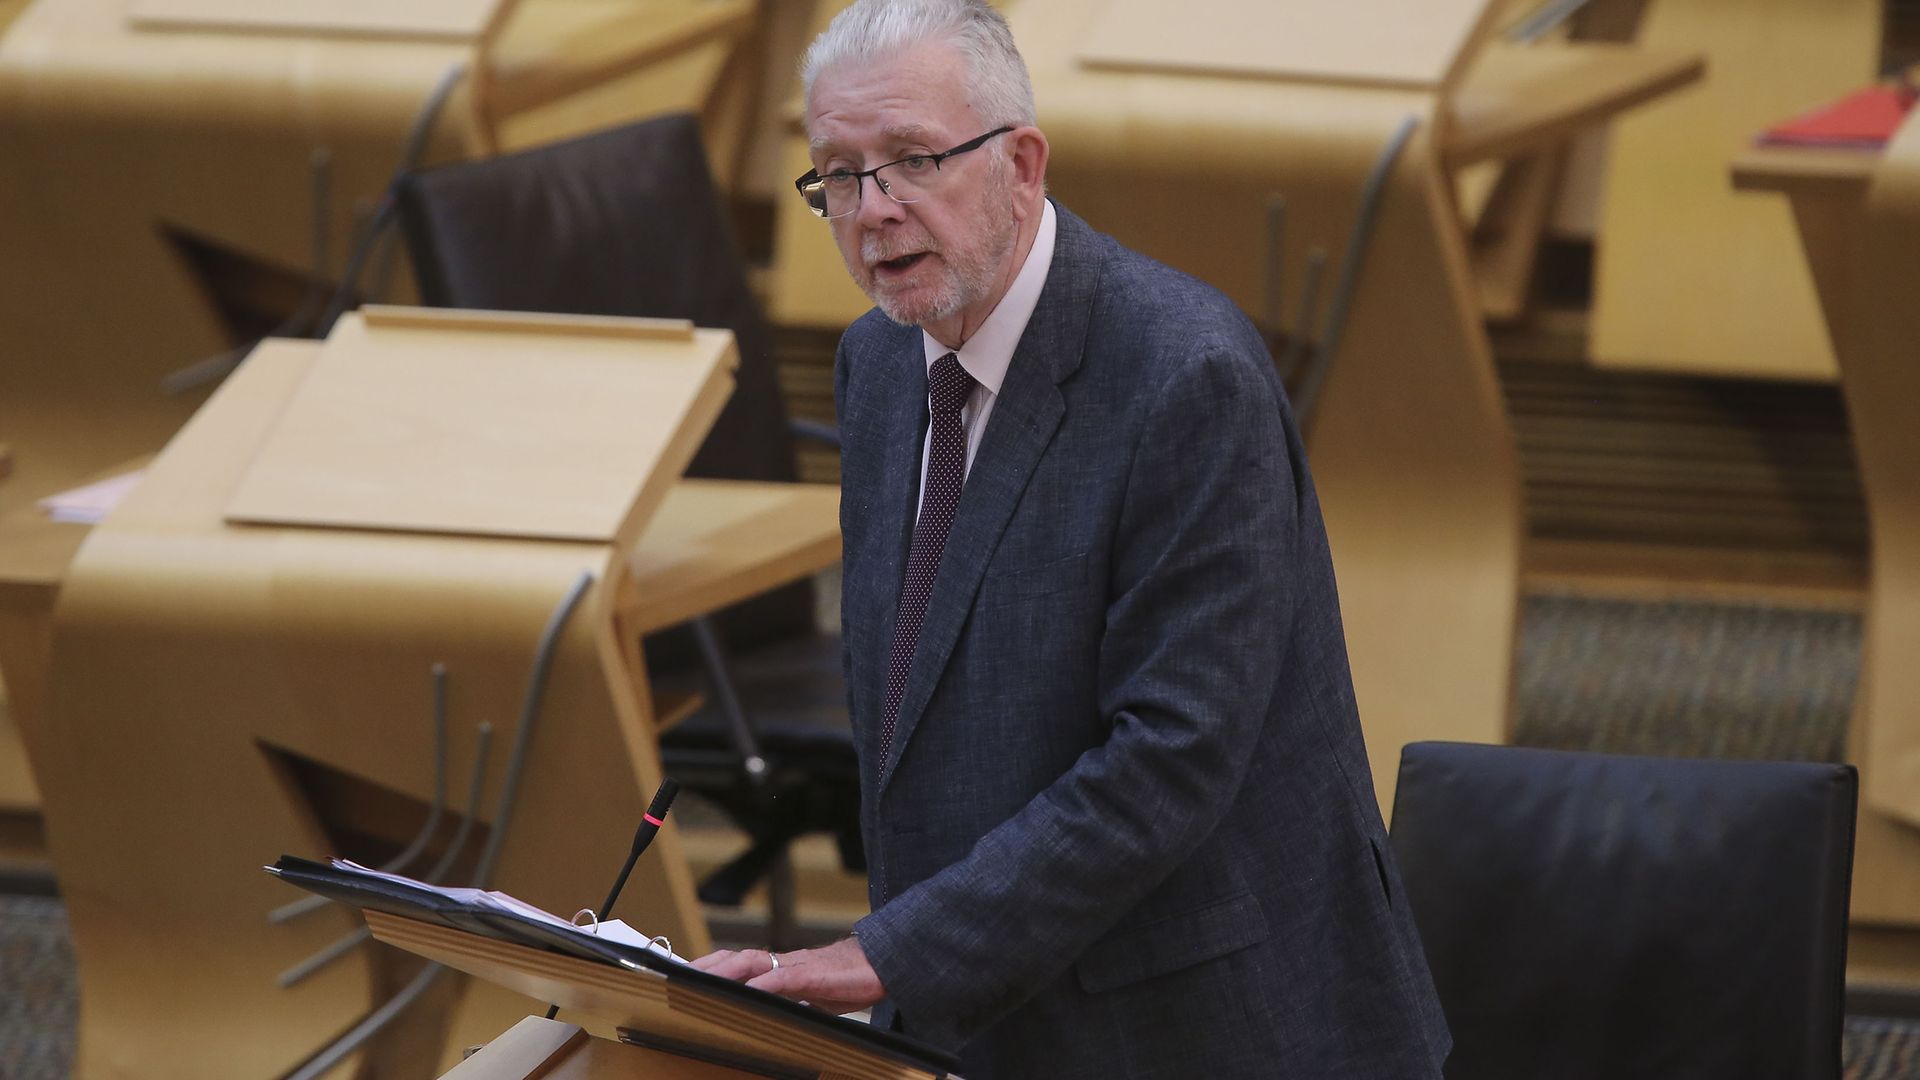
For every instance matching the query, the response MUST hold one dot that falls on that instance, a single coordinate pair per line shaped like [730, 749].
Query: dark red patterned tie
[948, 385]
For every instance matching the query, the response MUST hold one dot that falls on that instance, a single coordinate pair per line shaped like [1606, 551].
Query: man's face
[948, 253]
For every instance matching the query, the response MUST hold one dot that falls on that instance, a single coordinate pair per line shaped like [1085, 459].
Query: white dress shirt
[988, 353]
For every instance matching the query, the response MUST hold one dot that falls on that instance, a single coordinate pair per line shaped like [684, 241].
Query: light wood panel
[1734, 297]
[457, 20]
[1521, 98]
[9, 9]
[1881, 381]
[1506, 240]
[717, 542]
[1801, 171]
[712, 544]
[34, 553]
[1377, 41]
[597, 42]
[443, 426]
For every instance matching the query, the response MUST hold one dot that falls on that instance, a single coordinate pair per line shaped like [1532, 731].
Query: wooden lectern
[243, 657]
[691, 1023]
[669, 1027]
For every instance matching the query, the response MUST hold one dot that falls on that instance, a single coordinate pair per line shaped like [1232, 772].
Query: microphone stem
[620, 882]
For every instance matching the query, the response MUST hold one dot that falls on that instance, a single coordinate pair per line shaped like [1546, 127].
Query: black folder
[365, 891]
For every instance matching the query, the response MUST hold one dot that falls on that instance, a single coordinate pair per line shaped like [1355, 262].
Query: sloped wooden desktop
[1172, 126]
[221, 690]
[646, 1002]
[1858, 215]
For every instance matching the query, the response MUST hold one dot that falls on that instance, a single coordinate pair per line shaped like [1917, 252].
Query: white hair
[871, 30]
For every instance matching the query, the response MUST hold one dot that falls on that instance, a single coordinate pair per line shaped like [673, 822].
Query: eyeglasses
[907, 180]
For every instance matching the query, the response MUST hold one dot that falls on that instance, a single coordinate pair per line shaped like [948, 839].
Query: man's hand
[836, 978]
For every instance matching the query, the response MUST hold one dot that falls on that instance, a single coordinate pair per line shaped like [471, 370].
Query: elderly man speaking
[1117, 811]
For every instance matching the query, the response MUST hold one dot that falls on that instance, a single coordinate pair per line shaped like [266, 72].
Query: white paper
[91, 504]
[611, 930]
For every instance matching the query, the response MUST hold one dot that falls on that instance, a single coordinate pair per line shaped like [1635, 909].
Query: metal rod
[1302, 339]
[1541, 22]
[483, 746]
[341, 947]
[1276, 261]
[1350, 264]
[320, 198]
[435, 811]
[438, 809]
[720, 680]
[335, 1052]
[529, 709]
[410, 154]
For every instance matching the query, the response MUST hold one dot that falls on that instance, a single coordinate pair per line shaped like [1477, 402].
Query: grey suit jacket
[1127, 827]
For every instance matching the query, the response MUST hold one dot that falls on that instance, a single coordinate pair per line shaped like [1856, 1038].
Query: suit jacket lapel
[1025, 416]
[903, 403]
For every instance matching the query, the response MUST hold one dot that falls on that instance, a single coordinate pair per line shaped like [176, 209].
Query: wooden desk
[1519, 98]
[1858, 216]
[211, 747]
[35, 551]
[714, 543]
[158, 182]
[1689, 275]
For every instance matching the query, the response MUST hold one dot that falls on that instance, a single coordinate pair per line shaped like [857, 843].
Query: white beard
[968, 275]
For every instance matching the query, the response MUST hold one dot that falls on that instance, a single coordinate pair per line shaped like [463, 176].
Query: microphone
[650, 823]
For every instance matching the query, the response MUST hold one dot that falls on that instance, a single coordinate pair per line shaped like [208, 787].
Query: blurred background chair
[628, 222]
[1602, 916]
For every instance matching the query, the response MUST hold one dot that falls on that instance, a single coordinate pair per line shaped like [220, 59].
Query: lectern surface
[663, 1008]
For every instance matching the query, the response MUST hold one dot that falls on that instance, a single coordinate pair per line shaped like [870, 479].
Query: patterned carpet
[36, 989]
[1669, 678]
[1685, 679]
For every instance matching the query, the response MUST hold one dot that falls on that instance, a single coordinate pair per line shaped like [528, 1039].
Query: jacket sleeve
[1198, 606]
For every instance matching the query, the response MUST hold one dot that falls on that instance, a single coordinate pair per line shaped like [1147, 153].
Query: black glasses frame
[814, 179]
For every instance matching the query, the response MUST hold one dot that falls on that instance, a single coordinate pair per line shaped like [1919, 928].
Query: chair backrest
[1592, 915]
[621, 222]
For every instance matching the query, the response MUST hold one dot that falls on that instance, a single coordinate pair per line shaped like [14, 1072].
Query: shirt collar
[989, 352]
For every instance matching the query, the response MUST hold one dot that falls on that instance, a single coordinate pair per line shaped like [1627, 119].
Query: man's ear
[1029, 160]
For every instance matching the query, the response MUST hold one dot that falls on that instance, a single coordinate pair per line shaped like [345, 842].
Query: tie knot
[948, 385]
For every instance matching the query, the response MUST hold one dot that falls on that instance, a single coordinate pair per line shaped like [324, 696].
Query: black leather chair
[627, 222]
[1594, 916]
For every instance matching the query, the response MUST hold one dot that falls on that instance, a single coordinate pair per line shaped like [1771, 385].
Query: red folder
[1863, 120]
